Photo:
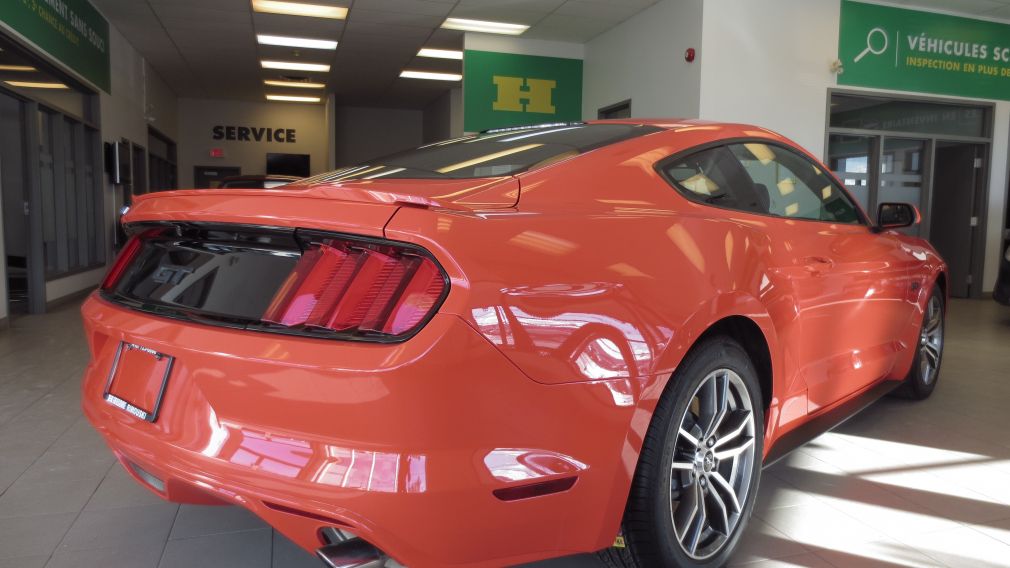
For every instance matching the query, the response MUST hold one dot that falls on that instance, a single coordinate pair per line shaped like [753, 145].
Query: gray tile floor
[902, 484]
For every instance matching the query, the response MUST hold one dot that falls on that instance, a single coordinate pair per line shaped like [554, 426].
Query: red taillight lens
[349, 287]
[130, 250]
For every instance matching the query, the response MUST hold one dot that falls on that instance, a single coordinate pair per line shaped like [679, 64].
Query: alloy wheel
[713, 460]
[931, 341]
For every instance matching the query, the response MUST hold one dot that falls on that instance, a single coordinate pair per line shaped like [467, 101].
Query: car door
[849, 284]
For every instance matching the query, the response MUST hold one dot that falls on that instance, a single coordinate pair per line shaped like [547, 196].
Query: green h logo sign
[512, 91]
[502, 90]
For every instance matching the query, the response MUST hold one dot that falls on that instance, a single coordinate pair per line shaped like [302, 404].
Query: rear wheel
[698, 473]
[925, 371]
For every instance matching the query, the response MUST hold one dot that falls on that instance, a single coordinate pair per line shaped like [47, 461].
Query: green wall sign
[505, 89]
[71, 31]
[908, 50]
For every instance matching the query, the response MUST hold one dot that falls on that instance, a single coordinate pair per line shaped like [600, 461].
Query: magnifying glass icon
[869, 44]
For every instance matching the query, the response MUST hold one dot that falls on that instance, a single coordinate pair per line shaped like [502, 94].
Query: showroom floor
[902, 484]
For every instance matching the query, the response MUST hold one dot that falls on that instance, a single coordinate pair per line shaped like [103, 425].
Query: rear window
[490, 154]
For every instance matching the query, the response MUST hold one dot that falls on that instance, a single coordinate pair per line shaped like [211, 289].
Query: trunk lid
[360, 207]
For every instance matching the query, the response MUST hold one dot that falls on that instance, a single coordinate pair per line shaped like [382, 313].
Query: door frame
[981, 196]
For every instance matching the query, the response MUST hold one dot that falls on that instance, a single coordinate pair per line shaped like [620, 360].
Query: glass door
[852, 158]
[902, 174]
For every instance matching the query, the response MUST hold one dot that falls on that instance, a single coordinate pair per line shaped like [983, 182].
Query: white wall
[769, 64]
[642, 59]
[365, 133]
[197, 118]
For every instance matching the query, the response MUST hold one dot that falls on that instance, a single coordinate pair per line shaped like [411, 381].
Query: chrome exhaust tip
[351, 553]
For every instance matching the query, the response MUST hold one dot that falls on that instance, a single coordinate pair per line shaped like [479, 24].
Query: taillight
[126, 256]
[355, 287]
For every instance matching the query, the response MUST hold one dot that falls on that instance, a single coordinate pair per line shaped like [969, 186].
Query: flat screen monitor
[288, 164]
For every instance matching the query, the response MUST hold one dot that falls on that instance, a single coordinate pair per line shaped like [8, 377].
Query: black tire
[925, 372]
[648, 528]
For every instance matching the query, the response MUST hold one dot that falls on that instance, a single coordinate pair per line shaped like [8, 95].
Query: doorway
[958, 183]
[616, 110]
[932, 154]
[15, 201]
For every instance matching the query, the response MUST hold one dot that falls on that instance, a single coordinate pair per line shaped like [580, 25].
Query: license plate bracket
[137, 380]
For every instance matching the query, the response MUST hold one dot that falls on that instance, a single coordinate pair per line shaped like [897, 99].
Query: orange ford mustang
[512, 346]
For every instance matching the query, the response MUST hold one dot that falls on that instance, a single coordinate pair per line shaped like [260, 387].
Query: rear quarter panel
[603, 272]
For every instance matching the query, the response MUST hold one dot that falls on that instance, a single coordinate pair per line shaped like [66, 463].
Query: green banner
[70, 31]
[505, 89]
[908, 50]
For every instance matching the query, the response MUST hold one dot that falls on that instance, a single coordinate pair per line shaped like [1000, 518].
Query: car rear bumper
[403, 445]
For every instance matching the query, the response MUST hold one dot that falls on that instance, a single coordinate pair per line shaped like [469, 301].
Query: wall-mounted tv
[288, 164]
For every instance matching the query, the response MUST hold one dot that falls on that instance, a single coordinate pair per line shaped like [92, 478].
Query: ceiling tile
[420, 7]
[207, 48]
[393, 18]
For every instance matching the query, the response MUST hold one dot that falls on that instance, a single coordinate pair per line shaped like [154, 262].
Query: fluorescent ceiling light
[292, 99]
[299, 9]
[17, 68]
[295, 66]
[296, 42]
[483, 26]
[295, 84]
[440, 53]
[36, 85]
[431, 75]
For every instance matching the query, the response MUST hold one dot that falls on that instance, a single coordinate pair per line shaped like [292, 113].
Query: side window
[795, 186]
[714, 176]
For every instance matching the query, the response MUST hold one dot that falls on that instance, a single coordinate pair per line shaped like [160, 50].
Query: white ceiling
[207, 48]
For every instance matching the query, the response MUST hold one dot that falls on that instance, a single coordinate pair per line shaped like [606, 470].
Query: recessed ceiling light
[296, 84]
[17, 68]
[293, 99]
[295, 66]
[36, 85]
[483, 26]
[429, 75]
[296, 42]
[440, 53]
[299, 9]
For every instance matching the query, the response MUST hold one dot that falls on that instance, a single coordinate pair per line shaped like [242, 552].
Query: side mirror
[896, 216]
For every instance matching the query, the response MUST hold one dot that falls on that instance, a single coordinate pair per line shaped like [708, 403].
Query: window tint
[795, 186]
[714, 176]
[493, 153]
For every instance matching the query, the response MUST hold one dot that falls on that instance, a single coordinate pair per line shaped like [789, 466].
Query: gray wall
[197, 118]
[443, 117]
[365, 133]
